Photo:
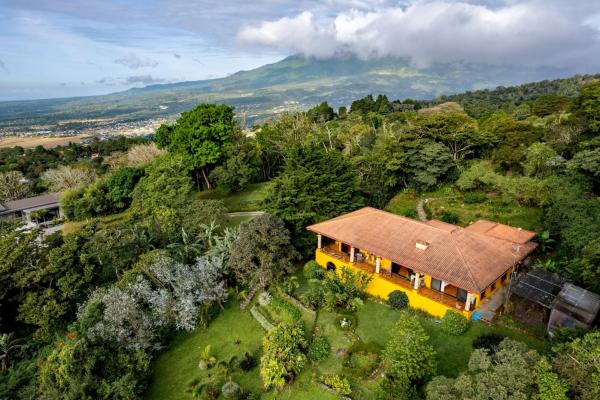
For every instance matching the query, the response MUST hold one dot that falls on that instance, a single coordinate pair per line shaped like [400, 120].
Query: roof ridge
[467, 265]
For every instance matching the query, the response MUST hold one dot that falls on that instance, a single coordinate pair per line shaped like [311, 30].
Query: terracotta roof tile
[501, 231]
[465, 258]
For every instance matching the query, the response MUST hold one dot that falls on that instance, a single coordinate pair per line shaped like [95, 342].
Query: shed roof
[578, 302]
[468, 259]
[539, 286]
[30, 202]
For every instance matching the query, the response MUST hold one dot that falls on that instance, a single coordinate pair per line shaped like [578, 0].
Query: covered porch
[404, 278]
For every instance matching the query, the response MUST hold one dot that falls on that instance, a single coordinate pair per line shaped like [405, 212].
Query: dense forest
[85, 313]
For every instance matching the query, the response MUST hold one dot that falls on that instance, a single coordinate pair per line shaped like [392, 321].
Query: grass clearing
[250, 199]
[106, 221]
[178, 365]
[446, 199]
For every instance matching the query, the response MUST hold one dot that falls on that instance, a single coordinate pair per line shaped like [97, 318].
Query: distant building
[439, 266]
[32, 210]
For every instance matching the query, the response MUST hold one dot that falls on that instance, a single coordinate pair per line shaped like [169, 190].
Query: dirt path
[421, 206]
[421, 210]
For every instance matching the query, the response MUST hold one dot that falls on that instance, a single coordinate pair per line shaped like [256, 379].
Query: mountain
[294, 82]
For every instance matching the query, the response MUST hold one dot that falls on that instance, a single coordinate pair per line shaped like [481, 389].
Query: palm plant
[8, 345]
[188, 248]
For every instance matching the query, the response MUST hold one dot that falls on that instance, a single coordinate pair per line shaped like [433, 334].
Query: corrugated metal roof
[464, 258]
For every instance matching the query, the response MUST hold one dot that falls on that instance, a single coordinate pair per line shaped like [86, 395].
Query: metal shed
[573, 307]
[570, 306]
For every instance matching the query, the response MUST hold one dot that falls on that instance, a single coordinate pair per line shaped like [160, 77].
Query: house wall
[381, 288]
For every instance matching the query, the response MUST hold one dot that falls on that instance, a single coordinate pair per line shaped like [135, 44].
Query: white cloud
[132, 61]
[529, 32]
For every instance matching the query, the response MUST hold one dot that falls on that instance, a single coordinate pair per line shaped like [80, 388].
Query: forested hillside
[151, 263]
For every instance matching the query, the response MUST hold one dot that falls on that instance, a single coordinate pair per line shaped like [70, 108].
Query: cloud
[177, 56]
[3, 66]
[143, 79]
[132, 61]
[528, 32]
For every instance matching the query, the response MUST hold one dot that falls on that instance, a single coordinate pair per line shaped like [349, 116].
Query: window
[330, 266]
[504, 277]
[436, 284]
[493, 287]
[461, 295]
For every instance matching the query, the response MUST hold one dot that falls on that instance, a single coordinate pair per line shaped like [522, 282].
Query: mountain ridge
[295, 82]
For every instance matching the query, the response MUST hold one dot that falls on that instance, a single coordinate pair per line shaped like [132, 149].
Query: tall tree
[200, 136]
[314, 185]
[13, 186]
[262, 252]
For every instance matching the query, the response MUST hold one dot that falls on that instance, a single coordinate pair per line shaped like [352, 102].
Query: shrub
[319, 349]
[454, 323]
[363, 362]
[449, 217]
[338, 383]
[398, 299]
[474, 197]
[264, 299]
[490, 341]
[312, 270]
[283, 306]
[230, 390]
[248, 362]
[313, 297]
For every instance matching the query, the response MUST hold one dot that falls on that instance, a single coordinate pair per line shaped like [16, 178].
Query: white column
[444, 284]
[319, 241]
[351, 254]
[417, 280]
[377, 265]
[468, 303]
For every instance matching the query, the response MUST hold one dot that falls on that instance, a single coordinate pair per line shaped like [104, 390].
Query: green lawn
[249, 199]
[177, 365]
[493, 208]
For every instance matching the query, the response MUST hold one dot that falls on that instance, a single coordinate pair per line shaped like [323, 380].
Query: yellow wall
[381, 288]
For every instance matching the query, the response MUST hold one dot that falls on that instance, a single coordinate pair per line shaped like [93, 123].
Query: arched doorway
[330, 266]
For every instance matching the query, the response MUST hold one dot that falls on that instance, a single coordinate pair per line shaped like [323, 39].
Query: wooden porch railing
[399, 280]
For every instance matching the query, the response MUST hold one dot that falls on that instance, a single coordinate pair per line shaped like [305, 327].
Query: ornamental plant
[338, 383]
[454, 323]
[319, 349]
[398, 300]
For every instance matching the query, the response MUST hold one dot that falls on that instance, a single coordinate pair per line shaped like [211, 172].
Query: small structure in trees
[569, 306]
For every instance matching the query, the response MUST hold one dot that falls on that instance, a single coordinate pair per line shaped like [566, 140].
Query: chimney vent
[421, 245]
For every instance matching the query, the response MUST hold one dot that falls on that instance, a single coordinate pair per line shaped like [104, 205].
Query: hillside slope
[294, 82]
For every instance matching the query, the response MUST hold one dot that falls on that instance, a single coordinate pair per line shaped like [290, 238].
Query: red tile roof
[464, 257]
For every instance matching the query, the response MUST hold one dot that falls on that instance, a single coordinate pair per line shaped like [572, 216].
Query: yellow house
[439, 266]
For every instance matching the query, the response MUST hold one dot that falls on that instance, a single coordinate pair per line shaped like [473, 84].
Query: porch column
[351, 254]
[377, 265]
[319, 241]
[417, 280]
[444, 284]
[470, 299]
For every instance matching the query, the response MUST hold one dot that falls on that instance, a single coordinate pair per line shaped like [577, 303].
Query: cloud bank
[530, 32]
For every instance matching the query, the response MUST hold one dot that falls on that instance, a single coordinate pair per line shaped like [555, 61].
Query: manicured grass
[178, 365]
[105, 222]
[249, 199]
[493, 208]
[376, 320]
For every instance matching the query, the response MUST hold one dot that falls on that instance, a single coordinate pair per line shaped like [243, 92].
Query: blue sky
[58, 48]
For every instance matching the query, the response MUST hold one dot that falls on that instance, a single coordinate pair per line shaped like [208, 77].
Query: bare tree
[13, 186]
